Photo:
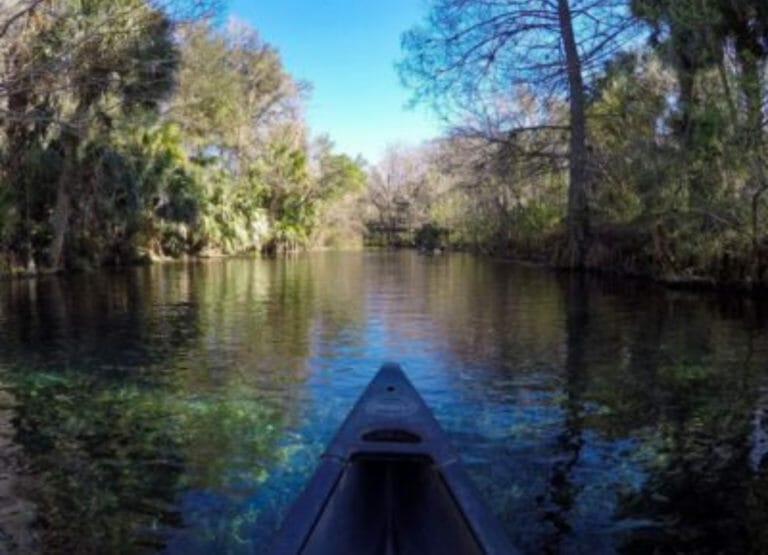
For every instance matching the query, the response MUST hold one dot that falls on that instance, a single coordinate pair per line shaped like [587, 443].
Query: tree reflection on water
[180, 408]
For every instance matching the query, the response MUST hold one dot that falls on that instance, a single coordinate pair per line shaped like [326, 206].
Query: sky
[347, 49]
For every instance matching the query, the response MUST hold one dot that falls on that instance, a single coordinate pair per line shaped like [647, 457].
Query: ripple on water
[181, 408]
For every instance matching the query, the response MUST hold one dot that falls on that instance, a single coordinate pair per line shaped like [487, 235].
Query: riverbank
[152, 259]
[626, 253]
[613, 254]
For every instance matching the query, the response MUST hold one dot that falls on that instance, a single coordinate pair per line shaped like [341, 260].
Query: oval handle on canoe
[391, 435]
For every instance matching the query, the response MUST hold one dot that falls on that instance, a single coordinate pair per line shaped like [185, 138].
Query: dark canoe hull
[390, 483]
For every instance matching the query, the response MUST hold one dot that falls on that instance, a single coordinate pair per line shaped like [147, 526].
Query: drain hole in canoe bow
[393, 435]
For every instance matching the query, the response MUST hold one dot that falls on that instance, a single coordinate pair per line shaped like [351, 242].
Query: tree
[70, 71]
[232, 87]
[141, 128]
[135, 69]
[401, 187]
[732, 36]
[239, 112]
[696, 35]
[339, 185]
[471, 53]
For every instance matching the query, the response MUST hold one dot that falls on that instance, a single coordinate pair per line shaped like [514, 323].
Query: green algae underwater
[180, 408]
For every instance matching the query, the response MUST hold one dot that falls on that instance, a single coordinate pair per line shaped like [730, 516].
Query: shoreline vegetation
[692, 283]
[146, 129]
[620, 137]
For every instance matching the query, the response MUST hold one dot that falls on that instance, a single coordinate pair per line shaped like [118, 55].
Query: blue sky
[347, 49]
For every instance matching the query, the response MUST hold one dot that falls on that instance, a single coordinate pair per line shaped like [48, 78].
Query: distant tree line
[619, 134]
[133, 129]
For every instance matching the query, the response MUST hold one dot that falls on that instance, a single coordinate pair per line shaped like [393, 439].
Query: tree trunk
[71, 138]
[60, 218]
[733, 114]
[62, 209]
[18, 145]
[761, 186]
[578, 209]
[753, 140]
[752, 89]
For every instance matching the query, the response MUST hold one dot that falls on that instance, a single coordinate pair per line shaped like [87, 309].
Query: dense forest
[626, 135]
[607, 134]
[138, 129]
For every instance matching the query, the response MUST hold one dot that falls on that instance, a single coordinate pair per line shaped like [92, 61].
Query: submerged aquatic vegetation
[112, 460]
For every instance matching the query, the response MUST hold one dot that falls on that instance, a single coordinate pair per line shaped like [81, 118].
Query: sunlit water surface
[180, 408]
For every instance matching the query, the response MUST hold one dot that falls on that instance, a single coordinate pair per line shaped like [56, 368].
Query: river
[179, 408]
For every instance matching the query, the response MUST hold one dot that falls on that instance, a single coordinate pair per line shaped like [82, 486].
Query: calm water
[180, 408]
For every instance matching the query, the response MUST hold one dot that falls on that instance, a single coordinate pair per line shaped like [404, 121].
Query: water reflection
[179, 408]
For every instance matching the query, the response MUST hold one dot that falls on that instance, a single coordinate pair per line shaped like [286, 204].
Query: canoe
[390, 483]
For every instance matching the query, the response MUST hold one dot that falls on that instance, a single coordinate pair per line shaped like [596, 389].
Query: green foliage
[132, 138]
[677, 149]
[430, 237]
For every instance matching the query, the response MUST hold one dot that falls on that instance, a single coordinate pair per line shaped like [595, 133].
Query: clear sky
[347, 49]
